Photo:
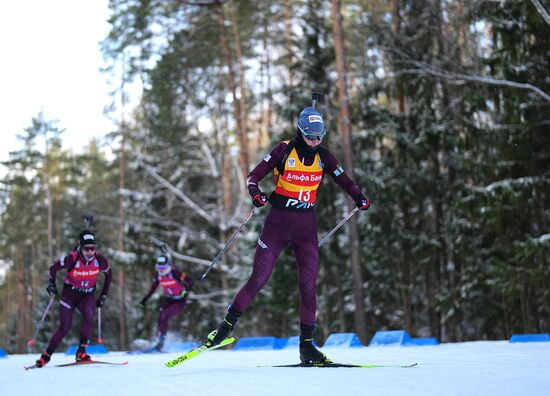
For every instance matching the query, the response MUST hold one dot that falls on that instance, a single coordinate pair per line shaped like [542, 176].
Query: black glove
[362, 202]
[259, 199]
[143, 302]
[51, 289]
[101, 300]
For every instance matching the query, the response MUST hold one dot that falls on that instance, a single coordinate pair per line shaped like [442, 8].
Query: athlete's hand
[362, 202]
[101, 300]
[259, 200]
[51, 289]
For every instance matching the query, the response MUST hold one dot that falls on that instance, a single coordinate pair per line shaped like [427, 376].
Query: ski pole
[340, 224]
[32, 341]
[239, 228]
[99, 339]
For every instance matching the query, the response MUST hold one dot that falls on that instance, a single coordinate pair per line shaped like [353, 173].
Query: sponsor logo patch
[300, 177]
[296, 204]
[85, 273]
[267, 157]
[261, 244]
[291, 162]
[315, 118]
[338, 171]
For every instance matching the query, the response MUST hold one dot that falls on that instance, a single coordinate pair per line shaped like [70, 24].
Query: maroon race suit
[291, 221]
[174, 285]
[78, 292]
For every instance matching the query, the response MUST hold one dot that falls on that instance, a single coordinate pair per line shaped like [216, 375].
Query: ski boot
[308, 353]
[81, 355]
[43, 360]
[224, 329]
[160, 343]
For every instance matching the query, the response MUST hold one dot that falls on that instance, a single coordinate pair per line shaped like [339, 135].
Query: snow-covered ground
[473, 368]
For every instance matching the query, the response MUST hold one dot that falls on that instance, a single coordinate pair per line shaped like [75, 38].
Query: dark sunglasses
[88, 248]
[313, 137]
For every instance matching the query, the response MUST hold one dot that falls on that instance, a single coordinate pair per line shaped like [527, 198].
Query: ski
[34, 366]
[343, 365]
[83, 362]
[197, 351]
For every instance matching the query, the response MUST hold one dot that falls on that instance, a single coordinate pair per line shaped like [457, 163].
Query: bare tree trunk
[226, 199]
[242, 86]
[36, 271]
[345, 130]
[406, 276]
[267, 100]
[241, 133]
[49, 199]
[20, 301]
[122, 339]
[396, 27]
[288, 37]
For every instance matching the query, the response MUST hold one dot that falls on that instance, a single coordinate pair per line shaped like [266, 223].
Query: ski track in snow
[473, 368]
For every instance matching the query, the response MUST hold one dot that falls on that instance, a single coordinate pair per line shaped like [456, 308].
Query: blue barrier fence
[349, 340]
[400, 338]
[425, 341]
[91, 349]
[391, 337]
[260, 343]
[539, 337]
[341, 340]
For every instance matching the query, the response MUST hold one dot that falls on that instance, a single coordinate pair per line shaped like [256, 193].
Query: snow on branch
[180, 256]
[541, 239]
[507, 183]
[210, 158]
[424, 68]
[238, 208]
[542, 11]
[203, 3]
[179, 194]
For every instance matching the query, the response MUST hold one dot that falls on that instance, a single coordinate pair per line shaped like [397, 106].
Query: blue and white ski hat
[162, 262]
[310, 123]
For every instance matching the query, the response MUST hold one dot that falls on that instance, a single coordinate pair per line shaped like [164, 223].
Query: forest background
[439, 109]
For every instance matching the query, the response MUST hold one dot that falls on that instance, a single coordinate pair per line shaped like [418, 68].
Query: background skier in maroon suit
[299, 165]
[176, 286]
[83, 265]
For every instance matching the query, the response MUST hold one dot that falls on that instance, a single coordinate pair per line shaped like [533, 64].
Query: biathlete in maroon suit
[83, 266]
[176, 286]
[299, 166]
